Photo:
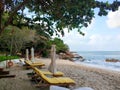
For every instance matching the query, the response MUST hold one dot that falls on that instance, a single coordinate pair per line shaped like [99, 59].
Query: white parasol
[27, 57]
[52, 67]
[32, 54]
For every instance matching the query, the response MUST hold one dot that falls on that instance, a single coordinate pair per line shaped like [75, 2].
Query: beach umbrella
[52, 66]
[27, 52]
[32, 54]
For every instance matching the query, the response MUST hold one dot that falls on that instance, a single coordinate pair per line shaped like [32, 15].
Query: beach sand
[84, 76]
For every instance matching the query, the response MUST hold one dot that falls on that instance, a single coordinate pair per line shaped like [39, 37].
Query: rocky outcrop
[112, 60]
[71, 56]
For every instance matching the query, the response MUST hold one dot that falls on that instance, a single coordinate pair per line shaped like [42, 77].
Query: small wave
[103, 65]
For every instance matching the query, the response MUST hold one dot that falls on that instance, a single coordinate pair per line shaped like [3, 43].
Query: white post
[32, 54]
[27, 54]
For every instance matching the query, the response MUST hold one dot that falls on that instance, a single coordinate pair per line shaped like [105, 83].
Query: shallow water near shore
[97, 59]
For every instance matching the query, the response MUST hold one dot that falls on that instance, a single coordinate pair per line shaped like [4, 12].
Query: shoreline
[87, 66]
[96, 78]
[98, 67]
[84, 76]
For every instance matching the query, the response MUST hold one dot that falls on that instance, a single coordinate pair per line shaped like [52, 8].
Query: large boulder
[70, 56]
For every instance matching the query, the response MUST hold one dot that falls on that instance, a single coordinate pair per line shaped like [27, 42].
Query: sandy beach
[84, 76]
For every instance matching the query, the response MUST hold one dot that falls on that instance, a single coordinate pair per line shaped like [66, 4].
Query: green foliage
[13, 39]
[3, 58]
[59, 14]
[45, 48]
[60, 46]
[47, 17]
[52, 16]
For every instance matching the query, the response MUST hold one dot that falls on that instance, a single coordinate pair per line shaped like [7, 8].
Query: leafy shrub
[3, 58]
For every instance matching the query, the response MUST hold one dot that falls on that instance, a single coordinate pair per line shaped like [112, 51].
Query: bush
[3, 58]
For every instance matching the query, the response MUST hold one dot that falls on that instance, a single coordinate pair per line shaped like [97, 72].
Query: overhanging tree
[54, 15]
[14, 39]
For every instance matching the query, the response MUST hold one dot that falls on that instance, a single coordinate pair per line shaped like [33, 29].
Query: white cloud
[114, 19]
[93, 42]
[99, 39]
[104, 42]
[75, 40]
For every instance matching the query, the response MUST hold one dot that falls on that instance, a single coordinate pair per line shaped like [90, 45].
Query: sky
[103, 34]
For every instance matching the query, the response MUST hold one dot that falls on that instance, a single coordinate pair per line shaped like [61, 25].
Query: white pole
[27, 54]
[32, 54]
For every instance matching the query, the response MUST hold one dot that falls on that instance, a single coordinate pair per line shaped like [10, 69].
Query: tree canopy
[52, 16]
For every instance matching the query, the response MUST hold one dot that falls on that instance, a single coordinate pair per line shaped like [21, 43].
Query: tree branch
[13, 14]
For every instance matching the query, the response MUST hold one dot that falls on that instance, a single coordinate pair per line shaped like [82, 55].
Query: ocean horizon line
[96, 51]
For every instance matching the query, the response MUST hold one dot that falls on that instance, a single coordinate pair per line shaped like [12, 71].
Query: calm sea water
[97, 59]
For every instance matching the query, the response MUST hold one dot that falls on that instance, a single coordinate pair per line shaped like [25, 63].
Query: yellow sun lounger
[63, 81]
[33, 64]
[57, 74]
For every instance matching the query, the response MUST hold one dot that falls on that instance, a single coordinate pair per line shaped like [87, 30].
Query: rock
[112, 60]
[71, 56]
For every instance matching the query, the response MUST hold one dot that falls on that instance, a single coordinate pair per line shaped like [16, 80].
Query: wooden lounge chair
[29, 64]
[5, 74]
[57, 74]
[1, 69]
[44, 80]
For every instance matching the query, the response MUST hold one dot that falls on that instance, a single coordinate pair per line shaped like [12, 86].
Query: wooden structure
[29, 64]
[43, 80]
[5, 74]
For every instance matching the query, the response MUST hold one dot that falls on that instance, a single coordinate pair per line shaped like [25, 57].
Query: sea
[98, 59]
